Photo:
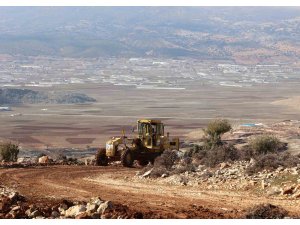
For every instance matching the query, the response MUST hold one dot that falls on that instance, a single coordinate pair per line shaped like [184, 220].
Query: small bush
[265, 144]
[272, 161]
[166, 159]
[225, 153]
[184, 165]
[214, 131]
[158, 171]
[162, 164]
[266, 211]
[9, 152]
[246, 153]
[61, 157]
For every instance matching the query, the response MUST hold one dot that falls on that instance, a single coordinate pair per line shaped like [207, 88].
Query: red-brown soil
[115, 183]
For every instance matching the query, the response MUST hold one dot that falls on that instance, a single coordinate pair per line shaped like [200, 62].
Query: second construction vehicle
[150, 142]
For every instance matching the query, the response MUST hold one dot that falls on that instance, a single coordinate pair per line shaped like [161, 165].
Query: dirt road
[153, 198]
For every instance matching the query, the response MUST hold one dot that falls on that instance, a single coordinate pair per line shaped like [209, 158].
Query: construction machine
[149, 143]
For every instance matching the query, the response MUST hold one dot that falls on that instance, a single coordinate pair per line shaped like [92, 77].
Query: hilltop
[27, 96]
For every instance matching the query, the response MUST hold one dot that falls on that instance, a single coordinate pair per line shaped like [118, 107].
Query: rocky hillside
[26, 96]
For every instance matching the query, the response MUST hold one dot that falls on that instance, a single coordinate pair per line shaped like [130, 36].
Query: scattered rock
[252, 162]
[75, 210]
[263, 184]
[253, 182]
[16, 208]
[274, 191]
[104, 206]
[280, 168]
[223, 165]
[296, 194]
[97, 201]
[83, 215]
[147, 174]
[95, 215]
[55, 214]
[297, 188]
[43, 159]
[13, 196]
[91, 207]
[200, 168]
[232, 172]
[35, 213]
[63, 207]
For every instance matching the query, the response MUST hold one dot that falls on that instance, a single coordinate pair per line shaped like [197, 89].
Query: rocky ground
[67, 189]
[16, 206]
[283, 183]
[127, 195]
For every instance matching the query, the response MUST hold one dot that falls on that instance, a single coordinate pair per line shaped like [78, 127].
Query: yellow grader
[149, 143]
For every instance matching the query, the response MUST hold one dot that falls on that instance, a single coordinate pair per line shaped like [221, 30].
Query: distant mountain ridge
[241, 34]
[25, 96]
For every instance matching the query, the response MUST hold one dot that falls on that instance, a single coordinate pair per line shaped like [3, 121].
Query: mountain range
[242, 34]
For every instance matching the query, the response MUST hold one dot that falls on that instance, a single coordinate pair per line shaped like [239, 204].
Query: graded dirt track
[115, 183]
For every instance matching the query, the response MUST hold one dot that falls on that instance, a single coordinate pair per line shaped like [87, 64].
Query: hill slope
[26, 96]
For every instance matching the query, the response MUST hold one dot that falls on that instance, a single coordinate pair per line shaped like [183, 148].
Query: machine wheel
[101, 158]
[127, 158]
[143, 162]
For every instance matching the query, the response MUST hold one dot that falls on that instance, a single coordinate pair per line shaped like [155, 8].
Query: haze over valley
[74, 73]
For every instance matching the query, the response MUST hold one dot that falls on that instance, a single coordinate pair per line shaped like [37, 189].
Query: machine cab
[150, 131]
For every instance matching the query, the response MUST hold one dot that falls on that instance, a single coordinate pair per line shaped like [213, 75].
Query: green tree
[9, 152]
[214, 131]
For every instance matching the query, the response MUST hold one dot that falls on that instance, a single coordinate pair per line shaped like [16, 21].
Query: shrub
[246, 153]
[272, 161]
[214, 131]
[158, 171]
[61, 157]
[218, 154]
[9, 152]
[184, 165]
[265, 144]
[266, 211]
[162, 164]
[166, 159]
